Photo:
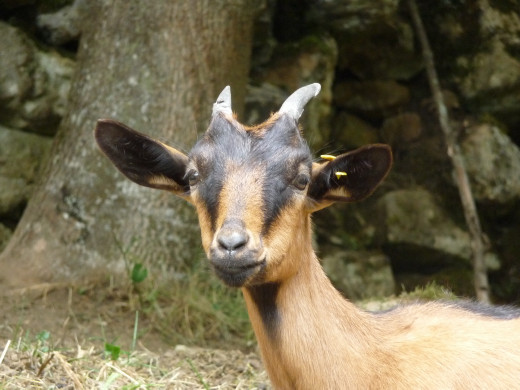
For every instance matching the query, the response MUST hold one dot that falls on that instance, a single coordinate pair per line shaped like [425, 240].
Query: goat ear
[142, 159]
[360, 172]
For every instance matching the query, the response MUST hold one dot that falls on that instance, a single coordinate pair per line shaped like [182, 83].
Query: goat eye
[301, 181]
[193, 177]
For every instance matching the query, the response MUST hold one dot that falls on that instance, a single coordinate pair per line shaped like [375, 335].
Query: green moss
[429, 292]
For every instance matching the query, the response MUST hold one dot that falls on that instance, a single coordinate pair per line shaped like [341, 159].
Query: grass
[199, 310]
[37, 359]
[109, 323]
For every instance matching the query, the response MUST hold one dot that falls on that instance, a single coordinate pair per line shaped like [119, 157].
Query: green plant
[139, 273]
[112, 350]
[42, 341]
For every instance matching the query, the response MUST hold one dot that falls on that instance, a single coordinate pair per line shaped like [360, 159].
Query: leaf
[139, 273]
[43, 336]
[112, 350]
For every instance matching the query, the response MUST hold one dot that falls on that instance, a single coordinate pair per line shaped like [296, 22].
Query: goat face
[253, 188]
[249, 187]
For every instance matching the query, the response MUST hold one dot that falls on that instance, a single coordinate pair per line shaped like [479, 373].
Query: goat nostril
[232, 240]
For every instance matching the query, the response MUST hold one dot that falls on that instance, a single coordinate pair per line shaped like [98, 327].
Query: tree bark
[157, 66]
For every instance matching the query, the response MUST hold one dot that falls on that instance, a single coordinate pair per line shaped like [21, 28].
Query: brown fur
[327, 343]
[264, 126]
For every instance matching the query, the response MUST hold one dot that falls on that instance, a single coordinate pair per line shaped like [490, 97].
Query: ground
[56, 337]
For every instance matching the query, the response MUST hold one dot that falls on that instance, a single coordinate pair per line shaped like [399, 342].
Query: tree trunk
[157, 66]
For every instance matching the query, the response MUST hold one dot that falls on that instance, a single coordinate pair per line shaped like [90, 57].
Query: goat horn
[223, 103]
[295, 103]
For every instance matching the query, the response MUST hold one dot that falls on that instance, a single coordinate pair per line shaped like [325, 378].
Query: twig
[136, 322]
[453, 150]
[5, 351]
[44, 364]
[66, 366]
[43, 289]
[121, 372]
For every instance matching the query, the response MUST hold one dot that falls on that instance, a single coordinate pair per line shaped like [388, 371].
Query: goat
[254, 189]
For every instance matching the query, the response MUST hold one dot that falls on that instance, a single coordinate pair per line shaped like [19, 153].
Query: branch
[453, 150]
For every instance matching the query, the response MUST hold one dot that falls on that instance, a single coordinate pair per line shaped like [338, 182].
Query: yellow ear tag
[339, 174]
[328, 157]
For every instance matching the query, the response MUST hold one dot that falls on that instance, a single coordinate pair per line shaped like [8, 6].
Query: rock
[493, 164]
[401, 129]
[14, 194]
[451, 101]
[34, 84]
[492, 73]
[261, 101]
[418, 234]
[5, 235]
[494, 69]
[349, 131]
[377, 98]
[385, 53]
[16, 67]
[360, 274]
[21, 155]
[64, 25]
[374, 42]
[352, 16]
[489, 77]
[310, 60]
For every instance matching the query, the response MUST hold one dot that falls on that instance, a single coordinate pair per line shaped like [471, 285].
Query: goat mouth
[236, 273]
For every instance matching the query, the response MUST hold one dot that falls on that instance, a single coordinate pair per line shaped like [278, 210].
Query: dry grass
[63, 337]
[27, 367]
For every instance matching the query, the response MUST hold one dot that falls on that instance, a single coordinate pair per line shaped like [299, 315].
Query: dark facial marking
[284, 152]
[221, 143]
[264, 296]
[209, 188]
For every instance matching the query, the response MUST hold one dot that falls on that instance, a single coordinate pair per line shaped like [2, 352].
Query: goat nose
[232, 240]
